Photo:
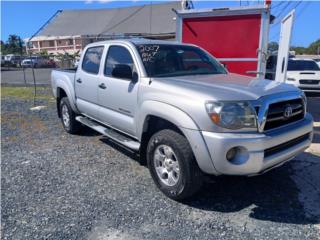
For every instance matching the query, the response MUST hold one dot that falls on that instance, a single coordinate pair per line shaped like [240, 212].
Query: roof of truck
[137, 41]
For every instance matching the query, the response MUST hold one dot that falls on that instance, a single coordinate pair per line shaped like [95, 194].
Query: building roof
[115, 21]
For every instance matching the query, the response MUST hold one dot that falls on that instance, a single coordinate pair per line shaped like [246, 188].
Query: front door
[118, 95]
[87, 80]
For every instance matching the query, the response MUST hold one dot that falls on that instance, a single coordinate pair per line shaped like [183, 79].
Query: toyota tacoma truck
[182, 111]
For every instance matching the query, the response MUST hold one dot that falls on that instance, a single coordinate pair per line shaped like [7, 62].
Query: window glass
[302, 65]
[91, 60]
[117, 55]
[177, 60]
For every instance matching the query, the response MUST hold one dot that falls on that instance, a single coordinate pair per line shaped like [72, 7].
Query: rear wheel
[68, 117]
[172, 165]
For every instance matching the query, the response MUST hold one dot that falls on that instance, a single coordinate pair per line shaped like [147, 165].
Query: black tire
[73, 126]
[191, 177]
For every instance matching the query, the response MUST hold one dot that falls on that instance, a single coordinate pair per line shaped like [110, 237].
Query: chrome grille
[276, 116]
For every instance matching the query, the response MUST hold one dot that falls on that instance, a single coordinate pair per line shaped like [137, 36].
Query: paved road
[60, 186]
[16, 77]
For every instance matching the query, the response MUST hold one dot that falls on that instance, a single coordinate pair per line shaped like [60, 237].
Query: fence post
[24, 76]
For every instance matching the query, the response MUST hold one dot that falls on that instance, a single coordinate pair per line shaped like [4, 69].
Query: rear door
[87, 80]
[284, 46]
[118, 96]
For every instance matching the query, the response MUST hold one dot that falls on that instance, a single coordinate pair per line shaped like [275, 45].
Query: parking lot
[18, 76]
[60, 186]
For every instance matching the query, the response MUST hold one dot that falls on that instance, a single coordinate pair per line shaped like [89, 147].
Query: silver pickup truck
[184, 113]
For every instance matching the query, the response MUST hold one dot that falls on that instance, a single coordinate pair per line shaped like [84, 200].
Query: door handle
[282, 66]
[79, 80]
[102, 86]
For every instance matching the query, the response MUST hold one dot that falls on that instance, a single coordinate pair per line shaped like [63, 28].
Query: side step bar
[118, 137]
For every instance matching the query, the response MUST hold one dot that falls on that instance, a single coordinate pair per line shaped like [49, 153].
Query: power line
[285, 13]
[302, 9]
[123, 20]
[297, 15]
[276, 6]
[281, 11]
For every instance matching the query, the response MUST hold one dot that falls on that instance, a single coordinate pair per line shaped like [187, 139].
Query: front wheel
[68, 117]
[172, 165]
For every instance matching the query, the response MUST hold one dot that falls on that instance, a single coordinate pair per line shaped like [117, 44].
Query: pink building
[71, 30]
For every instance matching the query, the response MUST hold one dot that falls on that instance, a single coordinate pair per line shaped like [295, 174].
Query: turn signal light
[215, 118]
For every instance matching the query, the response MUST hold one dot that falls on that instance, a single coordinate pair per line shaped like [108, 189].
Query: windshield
[177, 60]
[302, 65]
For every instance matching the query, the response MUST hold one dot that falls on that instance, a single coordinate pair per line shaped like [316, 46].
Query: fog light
[237, 155]
[232, 153]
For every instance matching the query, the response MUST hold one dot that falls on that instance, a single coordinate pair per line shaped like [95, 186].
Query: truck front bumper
[256, 153]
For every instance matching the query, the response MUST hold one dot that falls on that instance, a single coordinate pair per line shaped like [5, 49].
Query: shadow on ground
[274, 196]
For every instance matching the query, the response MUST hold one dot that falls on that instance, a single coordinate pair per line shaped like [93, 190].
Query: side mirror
[122, 71]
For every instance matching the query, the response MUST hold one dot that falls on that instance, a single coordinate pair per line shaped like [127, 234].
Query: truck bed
[63, 78]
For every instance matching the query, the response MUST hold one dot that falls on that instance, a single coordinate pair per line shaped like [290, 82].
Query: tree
[15, 45]
[66, 59]
[44, 54]
[273, 46]
[3, 48]
[314, 47]
[298, 50]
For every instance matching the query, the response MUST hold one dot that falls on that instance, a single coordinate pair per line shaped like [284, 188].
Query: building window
[51, 43]
[70, 41]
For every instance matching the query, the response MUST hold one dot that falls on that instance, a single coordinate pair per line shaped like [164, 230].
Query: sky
[24, 18]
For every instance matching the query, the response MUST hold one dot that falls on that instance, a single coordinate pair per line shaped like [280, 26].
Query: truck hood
[227, 86]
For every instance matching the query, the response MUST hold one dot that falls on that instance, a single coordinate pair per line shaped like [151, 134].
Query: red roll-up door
[234, 40]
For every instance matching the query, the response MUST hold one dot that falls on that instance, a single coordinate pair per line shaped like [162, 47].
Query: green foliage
[25, 92]
[298, 50]
[67, 60]
[14, 45]
[273, 46]
[312, 49]
[67, 56]
[44, 53]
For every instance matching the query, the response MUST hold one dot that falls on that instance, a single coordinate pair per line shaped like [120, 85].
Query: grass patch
[26, 92]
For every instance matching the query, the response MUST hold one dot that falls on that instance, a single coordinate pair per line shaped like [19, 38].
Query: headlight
[304, 99]
[232, 115]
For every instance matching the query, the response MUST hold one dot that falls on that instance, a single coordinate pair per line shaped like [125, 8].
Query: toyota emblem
[287, 112]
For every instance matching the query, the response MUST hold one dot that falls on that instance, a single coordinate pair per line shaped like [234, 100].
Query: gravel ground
[60, 186]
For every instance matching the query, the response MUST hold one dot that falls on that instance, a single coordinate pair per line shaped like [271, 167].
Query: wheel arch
[63, 91]
[156, 116]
